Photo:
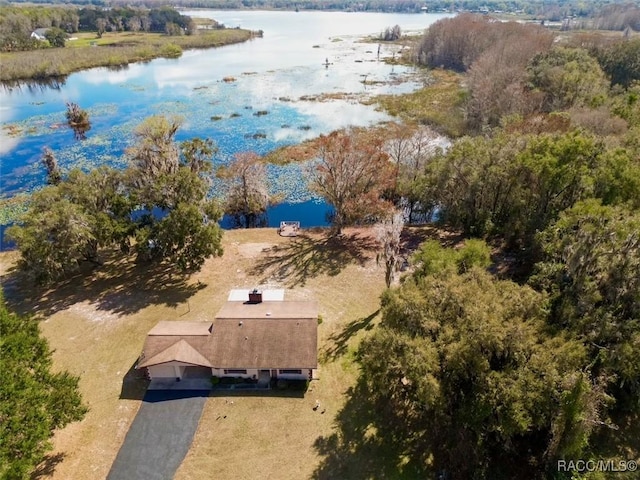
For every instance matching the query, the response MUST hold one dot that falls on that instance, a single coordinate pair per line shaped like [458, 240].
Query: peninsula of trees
[38, 42]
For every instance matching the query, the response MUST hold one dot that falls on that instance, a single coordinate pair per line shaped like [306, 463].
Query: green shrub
[171, 50]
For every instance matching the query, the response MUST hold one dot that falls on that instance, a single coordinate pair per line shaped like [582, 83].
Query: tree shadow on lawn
[306, 257]
[120, 287]
[355, 451]
[338, 342]
[47, 467]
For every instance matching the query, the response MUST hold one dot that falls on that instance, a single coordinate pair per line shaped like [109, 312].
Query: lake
[277, 74]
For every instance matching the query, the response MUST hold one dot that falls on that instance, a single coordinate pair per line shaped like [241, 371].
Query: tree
[591, 269]
[433, 259]
[621, 61]
[186, 236]
[56, 37]
[172, 29]
[178, 222]
[197, 154]
[463, 377]
[102, 196]
[78, 120]
[34, 401]
[498, 77]
[391, 34]
[159, 200]
[51, 164]
[247, 196]
[101, 26]
[52, 237]
[512, 185]
[567, 77]
[352, 173]
[154, 154]
[134, 24]
[388, 234]
[410, 148]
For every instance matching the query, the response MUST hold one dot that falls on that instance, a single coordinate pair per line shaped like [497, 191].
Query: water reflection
[34, 85]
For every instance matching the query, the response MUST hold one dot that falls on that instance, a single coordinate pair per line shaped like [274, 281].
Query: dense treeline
[502, 373]
[18, 23]
[550, 10]
[515, 69]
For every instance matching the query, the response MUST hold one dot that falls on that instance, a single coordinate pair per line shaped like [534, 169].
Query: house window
[291, 372]
[235, 372]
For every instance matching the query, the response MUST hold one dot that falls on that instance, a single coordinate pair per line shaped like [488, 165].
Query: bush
[171, 50]
[215, 380]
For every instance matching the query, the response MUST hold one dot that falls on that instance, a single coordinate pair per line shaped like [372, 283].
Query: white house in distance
[249, 338]
[39, 34]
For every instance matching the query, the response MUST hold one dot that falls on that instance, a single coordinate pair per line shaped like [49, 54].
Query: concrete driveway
[160, 435]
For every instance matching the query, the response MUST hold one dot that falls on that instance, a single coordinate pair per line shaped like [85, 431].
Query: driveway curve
[160, 435]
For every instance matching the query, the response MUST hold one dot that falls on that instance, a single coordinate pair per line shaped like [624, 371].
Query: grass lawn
[86, 39]
[97, 324]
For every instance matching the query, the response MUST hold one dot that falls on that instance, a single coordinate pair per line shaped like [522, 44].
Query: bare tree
[409, 148]
[51, 164]
[352, 174]
[388, 235]
[247, 196]
[134, 24]
[101, 25]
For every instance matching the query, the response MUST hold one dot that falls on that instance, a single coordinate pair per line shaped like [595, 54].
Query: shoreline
[57, 63]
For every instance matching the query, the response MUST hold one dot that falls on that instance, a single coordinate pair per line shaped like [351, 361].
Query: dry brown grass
[97, 325]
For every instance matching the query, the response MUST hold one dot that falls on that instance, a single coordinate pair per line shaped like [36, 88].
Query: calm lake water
[272, 74]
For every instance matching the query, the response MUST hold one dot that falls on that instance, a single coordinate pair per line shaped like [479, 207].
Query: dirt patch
[253, 250]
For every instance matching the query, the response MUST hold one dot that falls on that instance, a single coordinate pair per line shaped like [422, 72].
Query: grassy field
[97, 324]
[113, 49]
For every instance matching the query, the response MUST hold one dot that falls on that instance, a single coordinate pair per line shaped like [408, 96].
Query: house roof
[242, 336]
[180, 351]
[40, 31]
[242, 295]
[273, 310]
[181, 328]
[265, 343]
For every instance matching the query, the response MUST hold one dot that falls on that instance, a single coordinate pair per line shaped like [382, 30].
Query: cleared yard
[97, 325]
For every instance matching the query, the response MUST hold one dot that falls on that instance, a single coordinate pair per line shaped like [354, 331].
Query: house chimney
[255, 296]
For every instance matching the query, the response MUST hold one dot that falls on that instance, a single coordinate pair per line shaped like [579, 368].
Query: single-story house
[39, 34]
[256, 339]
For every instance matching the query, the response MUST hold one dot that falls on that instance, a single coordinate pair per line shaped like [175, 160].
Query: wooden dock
[289, 229]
